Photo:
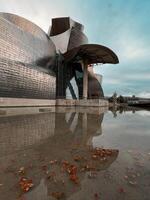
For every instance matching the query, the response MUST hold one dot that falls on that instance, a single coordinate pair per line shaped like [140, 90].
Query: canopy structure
[92, 53]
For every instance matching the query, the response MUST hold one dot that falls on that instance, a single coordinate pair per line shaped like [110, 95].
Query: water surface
[36, 145]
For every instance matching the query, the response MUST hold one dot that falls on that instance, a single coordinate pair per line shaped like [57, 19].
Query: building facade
[59, 64]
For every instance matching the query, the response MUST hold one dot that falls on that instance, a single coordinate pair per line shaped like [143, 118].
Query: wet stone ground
[75, 154]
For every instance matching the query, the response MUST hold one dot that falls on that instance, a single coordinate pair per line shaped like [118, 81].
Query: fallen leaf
[25, 184]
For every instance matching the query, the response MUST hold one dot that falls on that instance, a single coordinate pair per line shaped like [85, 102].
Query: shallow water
[36, 145]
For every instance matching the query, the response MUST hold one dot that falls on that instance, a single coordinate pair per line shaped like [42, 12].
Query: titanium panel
[26, 56]
[24, 80]
[21, 45]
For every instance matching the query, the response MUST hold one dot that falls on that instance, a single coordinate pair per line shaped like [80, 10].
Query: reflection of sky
[126, 131]
[121, 25]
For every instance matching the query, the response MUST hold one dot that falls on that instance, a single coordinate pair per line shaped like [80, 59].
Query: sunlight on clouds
[112, 81]
[39, 12]
[144, 94]
[138, 76]
[132, 48]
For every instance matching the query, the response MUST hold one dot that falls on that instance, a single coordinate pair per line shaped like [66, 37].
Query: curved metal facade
[26, 81]
[21, 45]
[67, 34]
[26, 56]
[77, 38]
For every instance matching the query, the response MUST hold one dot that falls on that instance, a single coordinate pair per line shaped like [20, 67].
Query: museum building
[56, 65]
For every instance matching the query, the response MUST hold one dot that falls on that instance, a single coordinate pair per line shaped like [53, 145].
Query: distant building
[59, 64]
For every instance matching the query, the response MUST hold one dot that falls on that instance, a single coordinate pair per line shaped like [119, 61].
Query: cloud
[144, 94]
[125, 78]
[138, 76]
[39, 12]
[131, 48]
[112, 81]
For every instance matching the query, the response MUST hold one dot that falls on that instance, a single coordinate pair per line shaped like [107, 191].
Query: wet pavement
[75, 154]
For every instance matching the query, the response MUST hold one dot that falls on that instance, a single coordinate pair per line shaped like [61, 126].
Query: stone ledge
[16, 102]
[82, 102]
[21, 102]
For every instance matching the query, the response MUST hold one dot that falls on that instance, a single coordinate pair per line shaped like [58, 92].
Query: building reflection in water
[20, 132]
[60, 135]
[122, 109]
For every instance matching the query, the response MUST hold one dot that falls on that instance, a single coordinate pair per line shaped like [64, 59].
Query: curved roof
[25, 25]
[92, 53]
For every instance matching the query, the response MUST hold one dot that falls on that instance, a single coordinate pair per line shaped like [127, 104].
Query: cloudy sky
[124, 26]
